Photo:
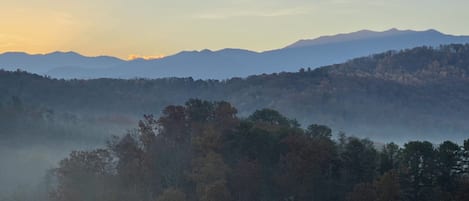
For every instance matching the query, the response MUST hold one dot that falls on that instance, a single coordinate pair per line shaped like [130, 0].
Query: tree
[169, 156]
[307, 168]
[271, 117]
[448, 156]
[215, 156]
[225, 116]
[214, 191]
[130, 164]
[318, 131]
[387, 187]
[389, 158]
[465, 159]
[173, 124]
[245, 180]
[462, 193]
[384, 188]
[209, 174]
[199, 110]
[466, 145]
[419, 173]
[362, 192]
[86, 176]
[171, 194]
[359, 161]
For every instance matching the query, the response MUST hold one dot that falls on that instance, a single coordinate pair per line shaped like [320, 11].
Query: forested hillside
[418, 93]
[202, 151]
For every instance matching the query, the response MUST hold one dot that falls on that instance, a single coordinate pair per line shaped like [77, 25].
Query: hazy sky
[162, 27]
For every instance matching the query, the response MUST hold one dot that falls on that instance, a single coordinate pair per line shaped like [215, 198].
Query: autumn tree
[202, 151]
[309, 165]
[209, 174]
[384, 188]
[130, 166]
[171, 194]
[209, 123]
[362, 192]
[245, 180]
[86, 175]
[388, 187]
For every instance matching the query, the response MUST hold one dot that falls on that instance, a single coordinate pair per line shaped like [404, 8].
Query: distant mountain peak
[67, 53]
[14, 53]
[357, 35]
[433, 31]
[63, 52]
[394, 30]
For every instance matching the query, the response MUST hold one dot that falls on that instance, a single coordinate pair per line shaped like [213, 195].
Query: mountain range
[229, 63]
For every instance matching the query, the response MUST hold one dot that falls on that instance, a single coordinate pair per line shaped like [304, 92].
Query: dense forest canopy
[202, 151]
[216, 150]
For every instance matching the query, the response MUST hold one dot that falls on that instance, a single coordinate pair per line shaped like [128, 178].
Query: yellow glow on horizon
[136, 56]
[121, 28]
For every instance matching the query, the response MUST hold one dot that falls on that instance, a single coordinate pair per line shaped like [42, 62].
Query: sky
[155, 28]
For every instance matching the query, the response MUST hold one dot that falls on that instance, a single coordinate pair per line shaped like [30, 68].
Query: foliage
[203, 152]
[392, 94]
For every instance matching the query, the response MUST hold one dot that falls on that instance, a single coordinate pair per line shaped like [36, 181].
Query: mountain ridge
[42, 63]
[232, 62]
[361, 34]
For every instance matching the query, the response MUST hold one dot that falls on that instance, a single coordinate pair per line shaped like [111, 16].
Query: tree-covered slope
[201, 151]
[417, 93]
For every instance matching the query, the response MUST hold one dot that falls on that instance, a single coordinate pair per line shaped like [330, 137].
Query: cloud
[136, 56]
